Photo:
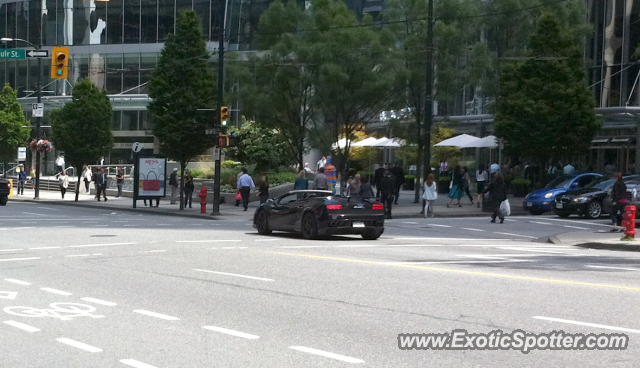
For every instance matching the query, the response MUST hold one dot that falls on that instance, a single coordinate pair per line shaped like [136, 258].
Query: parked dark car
[4, 192]
[594, 200]
[543, 200]
[315, 213]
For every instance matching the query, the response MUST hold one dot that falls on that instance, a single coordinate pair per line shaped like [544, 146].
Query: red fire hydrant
[629, 222]
[204, 191]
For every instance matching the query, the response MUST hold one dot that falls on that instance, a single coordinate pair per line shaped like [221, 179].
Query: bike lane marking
[79, 345]
[235, 333]
[156, 315]
[136, 363]
[327, 354]
[56, 291]
[19, 282]
[21, 326]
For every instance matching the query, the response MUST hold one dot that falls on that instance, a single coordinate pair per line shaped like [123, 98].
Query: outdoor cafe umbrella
[460, 141]
[489, 141]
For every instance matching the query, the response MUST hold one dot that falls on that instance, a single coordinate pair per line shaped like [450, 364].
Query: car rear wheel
[309, 226]
[594, 210]
[262, 223]
[371, 234]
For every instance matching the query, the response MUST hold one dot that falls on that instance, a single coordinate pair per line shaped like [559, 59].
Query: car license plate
[558, 205]
[529, 204]
[358, 224]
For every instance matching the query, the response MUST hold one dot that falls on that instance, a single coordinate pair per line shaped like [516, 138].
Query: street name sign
[13, 54]
[38, 53]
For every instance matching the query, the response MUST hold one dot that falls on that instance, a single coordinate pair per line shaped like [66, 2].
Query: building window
[115, 14]
[149, 23]
[166, 17]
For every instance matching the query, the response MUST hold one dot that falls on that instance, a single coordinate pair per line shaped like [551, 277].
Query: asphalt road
[97, 288]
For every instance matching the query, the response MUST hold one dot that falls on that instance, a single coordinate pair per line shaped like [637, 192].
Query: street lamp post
[36, 186]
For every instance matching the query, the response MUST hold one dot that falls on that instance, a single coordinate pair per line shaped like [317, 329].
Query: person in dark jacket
[377, 178]
[22, 178]
[398, 175]
[619, 199]
[263, 189]
[101, 184]
[497, 193]
[301, 182]
[365, 189]
[119, 180]
[189, 187]
[387, 189]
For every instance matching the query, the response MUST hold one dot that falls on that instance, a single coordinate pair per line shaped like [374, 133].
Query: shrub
[281, 178]
[230, 164]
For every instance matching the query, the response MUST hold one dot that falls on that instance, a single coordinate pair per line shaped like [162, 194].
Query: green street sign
[13, 54]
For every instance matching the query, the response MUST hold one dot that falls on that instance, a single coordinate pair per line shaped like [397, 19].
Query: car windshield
[602, 184]
[560, 182]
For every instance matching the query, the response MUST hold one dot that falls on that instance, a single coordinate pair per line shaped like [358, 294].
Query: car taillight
[334, 207]
[378, 206]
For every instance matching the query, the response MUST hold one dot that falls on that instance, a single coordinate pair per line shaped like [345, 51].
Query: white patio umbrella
[489, 141]
[341, 143]
[367, 142]
[389, 143]
[458, 141]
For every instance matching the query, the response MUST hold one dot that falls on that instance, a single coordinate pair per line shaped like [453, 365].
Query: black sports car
[317, 213]
[595, 199]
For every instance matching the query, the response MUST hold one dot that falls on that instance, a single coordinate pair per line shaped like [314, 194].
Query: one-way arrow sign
[38, 53]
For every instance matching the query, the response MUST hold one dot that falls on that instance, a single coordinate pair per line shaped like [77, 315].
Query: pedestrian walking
[87, 175]
[119, 180]
[60, 163]
[63, 182]
[263, 189]
[101, 184]
[320, 182]
[354, 186]
[429, 195]
[365, 188]
[173, 183]
[245, 185]
[398, 175]
[482, 176]
[466, 183]
[497, 194]
[387, 189]
[378, 174]
[22, 179]
[301, 182]
[455, 190]
[189, 188]
[619, 199]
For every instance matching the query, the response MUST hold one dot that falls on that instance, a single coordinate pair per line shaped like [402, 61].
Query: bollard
[629, 223]
[203, 199]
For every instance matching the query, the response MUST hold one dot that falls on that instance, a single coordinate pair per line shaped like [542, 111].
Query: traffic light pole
[428, 103]
[218, 158]
[36, 186]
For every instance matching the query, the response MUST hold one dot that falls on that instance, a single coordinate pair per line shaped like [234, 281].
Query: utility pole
[428, 103]
[218, 162]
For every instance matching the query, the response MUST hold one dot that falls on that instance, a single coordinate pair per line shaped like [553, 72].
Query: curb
[626, 247]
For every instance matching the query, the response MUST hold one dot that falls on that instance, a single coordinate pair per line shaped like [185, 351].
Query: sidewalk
[601, 239]
[404, 209]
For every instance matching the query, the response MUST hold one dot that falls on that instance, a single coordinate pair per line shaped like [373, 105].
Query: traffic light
[60, 63]
[224, 114]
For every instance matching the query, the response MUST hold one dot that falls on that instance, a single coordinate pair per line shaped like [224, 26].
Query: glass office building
[115, 44]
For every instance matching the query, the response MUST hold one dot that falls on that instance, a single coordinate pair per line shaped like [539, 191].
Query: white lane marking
[210, 241]
[62, 226]
[299, 246]
[55, 291]
[19, 282]
[21, 326]
[266, 240]
[99, 301]
[533, 250]
[541, 223]
[136, 363]
[34, 214]
[18, 259]
[233, 274]
[512, 234]
[575, 227]
[15, 228]
[98, 245]
[234, 247]
[79, 345]
[78, 255]
[587, 324]
[509, 220]
[461, 262]
[614, 268]
[413, 245]
[155, 251]
[227, 331]
[569, 221]
[410, 222]
[44, 248]
[452, 239]
[438, 225]
[156, 315]
[45, 208]
[327, 354]
[11, 250]
[358, 245]
[471, 229]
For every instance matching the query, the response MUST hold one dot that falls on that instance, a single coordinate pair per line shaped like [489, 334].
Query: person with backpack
[497, 191]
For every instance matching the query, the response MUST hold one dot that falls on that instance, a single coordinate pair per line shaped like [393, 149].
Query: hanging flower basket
[41, 145]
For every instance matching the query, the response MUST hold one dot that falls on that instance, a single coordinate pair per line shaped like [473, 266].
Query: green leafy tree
[261, 146]
[82, 127]
[182, 83]
[545, 110]
[12, 122]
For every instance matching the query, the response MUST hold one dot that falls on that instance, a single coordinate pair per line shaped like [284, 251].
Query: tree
[13, 133]
[262, 146]
[82, 127]
[278, 87]
[182, 83]
[545, 110]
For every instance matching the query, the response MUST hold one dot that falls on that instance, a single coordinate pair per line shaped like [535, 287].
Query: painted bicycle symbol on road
[61, 311]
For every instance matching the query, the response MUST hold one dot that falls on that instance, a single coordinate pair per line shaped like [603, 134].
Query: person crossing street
[245, 185]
